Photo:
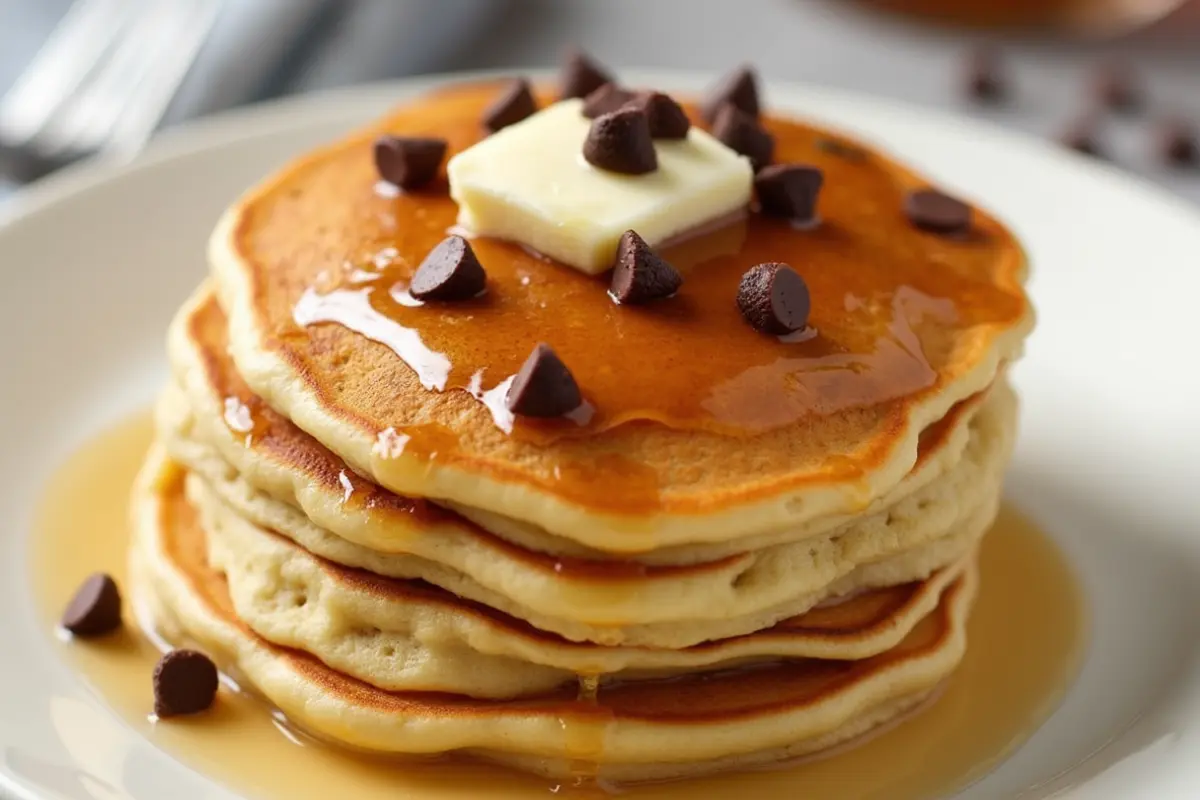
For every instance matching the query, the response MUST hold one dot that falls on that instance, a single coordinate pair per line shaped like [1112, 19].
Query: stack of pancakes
[654, 592]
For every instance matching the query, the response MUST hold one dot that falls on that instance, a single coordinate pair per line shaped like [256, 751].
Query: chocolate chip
[984, 81]
[449, 272]
[774, 298]
[543, 387]
[639, 274]
[620, 142]
[95, 608]
[581, 75]
[1082, 136]
[1177, 144]
[185, 682]
[514, 104]
[606, 99]
[1116, 86]
[931, 210]
[738, 89]
[789, 190]
[408, 162]
[667, 118]
[743, 134]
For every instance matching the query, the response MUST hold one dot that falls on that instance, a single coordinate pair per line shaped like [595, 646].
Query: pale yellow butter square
[529, 183]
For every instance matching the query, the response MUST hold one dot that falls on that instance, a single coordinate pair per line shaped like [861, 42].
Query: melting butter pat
[529, 183]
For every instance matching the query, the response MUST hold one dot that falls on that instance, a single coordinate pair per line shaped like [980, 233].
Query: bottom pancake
[633, 730]
[410, 636]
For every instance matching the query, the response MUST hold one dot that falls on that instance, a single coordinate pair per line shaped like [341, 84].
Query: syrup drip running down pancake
[701, 429]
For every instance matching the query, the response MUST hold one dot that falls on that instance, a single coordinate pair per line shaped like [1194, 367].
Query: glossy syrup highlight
[1029, 608]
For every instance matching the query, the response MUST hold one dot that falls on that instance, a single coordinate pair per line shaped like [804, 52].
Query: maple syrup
[351, 264]
[1029, 608]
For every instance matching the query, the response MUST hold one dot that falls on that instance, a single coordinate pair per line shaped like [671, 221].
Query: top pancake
[704, 430]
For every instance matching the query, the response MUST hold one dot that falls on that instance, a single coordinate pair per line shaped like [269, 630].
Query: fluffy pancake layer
[382, 630]
[908, 326]
[639, 729]
[283, 480]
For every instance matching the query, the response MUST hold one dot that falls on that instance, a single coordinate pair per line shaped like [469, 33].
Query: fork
[101, 82]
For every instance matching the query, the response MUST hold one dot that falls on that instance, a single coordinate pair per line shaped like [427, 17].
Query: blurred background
[1117, 78]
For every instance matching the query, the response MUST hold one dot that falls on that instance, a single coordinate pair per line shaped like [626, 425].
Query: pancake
[713, 620]
[669, 607]
[635, 730]
[579, 600]
[408, 635]
[278, 458]
[703, 430]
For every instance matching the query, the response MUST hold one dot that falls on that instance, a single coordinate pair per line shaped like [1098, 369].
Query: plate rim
[277, 117]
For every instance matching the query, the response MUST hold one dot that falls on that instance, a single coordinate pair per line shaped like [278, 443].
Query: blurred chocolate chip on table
[1082, 135]
[1176, 143]
[1116, 85]
[984, 79]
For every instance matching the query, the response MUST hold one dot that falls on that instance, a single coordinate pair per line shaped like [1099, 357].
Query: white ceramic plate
[94, 262]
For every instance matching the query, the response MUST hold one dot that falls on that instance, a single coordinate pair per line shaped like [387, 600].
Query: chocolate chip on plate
[512, 105]
[408, 162]
[984, 79]
[641, 275]
[95, 608]
[742, 133]
[934, 211]
[738, 89]
[1177, 143]
[606, 99]
[1083, 136]
[667, 118]
[1116, 86]
[185, 682]
[580, 75]
[543, 387]
[620, 141]
[789, 190]
[774, 298]
[449, 272]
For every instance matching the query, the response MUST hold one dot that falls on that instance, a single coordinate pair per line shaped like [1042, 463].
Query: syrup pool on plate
[1029, 612]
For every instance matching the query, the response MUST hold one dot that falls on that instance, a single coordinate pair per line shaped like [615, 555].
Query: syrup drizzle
[820, 379]
[1029, 609]
[890, 303]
